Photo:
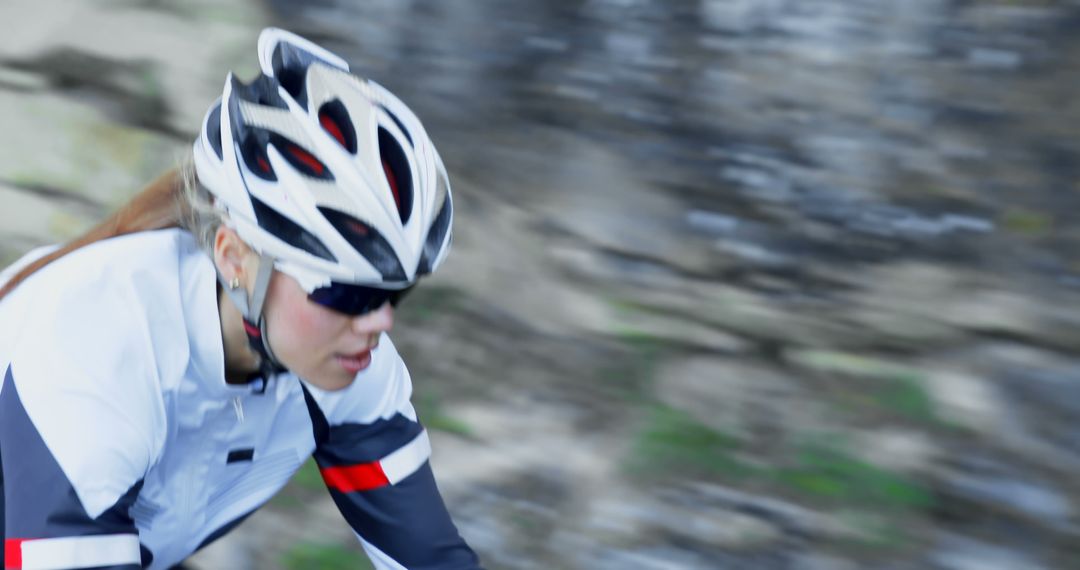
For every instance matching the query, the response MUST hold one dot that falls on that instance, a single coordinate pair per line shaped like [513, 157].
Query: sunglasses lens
[356, 299]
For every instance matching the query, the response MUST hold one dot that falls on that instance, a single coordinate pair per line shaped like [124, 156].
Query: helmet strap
[251, 309]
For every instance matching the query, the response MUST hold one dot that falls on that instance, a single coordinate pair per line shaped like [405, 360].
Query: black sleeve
[380, 477]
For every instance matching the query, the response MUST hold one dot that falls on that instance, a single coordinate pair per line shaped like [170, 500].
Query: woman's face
[320, 345]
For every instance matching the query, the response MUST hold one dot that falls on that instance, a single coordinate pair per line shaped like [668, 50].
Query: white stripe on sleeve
[81, 552]
[407, 459]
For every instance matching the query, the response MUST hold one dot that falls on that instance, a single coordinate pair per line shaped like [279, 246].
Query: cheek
[297, 324]
[299, 330]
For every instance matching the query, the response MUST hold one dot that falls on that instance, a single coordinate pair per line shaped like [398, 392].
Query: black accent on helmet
[369, 242]
[398, 173]
[251, 142]
[289, 231]
[213, 129]
[400, 125]
[292, 79]
[435, 236]
[290, 64]
[263, 90]
[335, 120]
[252, 149]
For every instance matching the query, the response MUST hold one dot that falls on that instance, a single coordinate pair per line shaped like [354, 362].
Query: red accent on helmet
[393, 183]
[358, 228]
[307, 158]
[331, 127]
[263, 164]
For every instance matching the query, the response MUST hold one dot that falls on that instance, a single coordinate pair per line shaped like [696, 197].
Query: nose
[379, 320]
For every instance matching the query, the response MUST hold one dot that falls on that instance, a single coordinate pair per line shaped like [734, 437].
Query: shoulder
[112, 266]
[113, 306]
[88, 342]
[101, 311]
[379, 392]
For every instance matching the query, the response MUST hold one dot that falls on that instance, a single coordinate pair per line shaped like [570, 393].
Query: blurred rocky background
[761, 284]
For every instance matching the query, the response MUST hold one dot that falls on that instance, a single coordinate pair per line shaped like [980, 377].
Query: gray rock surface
[735, 284]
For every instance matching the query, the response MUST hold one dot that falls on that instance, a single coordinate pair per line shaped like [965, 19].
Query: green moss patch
[672, 441]
[306, 556]
[430, 411]
[823, 470]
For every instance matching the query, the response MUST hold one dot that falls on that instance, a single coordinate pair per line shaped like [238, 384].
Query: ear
[233, 257]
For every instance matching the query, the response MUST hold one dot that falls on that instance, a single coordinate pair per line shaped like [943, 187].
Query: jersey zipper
[238, 407]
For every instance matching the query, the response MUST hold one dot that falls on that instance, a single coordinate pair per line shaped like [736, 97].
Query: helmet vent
[335, 120]
[253, 151]
[368, 242]
[307, 159]
[436, 234]
[290, 65]
[292, 80]
[399, 124]
[262, 90]
[398, 173]
[300, 159]
[289, 231]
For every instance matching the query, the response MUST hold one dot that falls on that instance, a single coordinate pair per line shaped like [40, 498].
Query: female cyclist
[164, 375]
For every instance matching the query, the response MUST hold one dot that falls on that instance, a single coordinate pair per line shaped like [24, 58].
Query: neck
[240, 359]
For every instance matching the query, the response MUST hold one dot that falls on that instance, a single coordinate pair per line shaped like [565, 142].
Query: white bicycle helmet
[329, 177]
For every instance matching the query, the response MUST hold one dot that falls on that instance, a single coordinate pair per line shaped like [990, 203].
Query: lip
[353, 363]
[358, 353]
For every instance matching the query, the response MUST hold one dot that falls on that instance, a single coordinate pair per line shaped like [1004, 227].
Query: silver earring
[235, 283]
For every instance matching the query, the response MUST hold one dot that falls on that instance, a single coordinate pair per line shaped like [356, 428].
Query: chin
[331, 382]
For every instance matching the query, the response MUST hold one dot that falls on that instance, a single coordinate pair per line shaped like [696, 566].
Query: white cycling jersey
[122, 446]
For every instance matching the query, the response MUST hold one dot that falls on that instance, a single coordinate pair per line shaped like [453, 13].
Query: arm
[43, 521]
[374, 460]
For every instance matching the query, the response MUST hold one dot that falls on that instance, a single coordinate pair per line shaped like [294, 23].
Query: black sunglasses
[356, 299]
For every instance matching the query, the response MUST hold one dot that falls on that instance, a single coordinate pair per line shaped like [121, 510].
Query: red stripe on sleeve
[13, 553]
[362, 477]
